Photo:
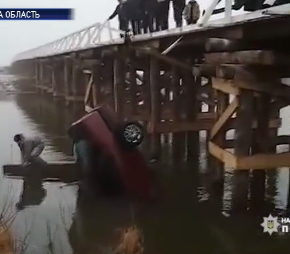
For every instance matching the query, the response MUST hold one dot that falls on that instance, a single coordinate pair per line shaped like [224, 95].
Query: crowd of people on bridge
[147, 16]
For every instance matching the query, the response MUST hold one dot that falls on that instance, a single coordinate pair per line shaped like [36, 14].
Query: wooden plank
[225, 86]
[249, 72]
[234, 86]
[119, 81]
[248, 57]
[206, 124]
[226, 157]
[224, 118]
[273, 87]
[279, 140]
[264, 161]
[167, 59]
[165, 115]
[88, 90]
[59, 170]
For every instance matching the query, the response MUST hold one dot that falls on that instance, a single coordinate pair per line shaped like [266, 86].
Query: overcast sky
[20, 35]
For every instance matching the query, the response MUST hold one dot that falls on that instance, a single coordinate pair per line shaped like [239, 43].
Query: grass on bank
[129, 242]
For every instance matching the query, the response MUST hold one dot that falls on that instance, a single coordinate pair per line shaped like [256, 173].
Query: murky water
[187, 220]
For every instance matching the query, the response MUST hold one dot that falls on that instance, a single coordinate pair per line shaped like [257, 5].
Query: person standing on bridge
[149, 15]
[122, 12]
[191, 12]
[178, 7]
[162, 15]
[135, 15]
[30, 148]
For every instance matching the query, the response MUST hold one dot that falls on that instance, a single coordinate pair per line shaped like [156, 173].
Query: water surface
[187, 219]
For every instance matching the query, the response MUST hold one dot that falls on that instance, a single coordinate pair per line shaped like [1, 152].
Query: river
[185, 221]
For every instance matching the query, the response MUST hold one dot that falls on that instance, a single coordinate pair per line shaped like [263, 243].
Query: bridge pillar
[80, 85]
[155, 116]
[68, 80]
[57, 81]
[119, 82]
[49, 78]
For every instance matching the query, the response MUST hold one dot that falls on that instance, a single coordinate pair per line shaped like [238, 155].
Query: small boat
[65, 171]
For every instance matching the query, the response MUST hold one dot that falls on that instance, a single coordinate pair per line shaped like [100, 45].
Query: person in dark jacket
[178, 7]
[191, 12]
[149, 11]
[135, 14]
[162, 14]
[121, 11]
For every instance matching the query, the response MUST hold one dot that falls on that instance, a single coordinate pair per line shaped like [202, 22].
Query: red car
[113, 144]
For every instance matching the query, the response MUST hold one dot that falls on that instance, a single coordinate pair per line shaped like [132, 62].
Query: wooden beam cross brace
[224, 118]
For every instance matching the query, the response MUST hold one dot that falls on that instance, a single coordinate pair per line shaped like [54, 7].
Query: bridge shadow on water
[189, 217]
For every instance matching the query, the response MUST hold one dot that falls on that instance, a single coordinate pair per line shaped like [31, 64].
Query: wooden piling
[260, 145]
[243, 141]
[119, 81]
[192, 108]
[178, 138]
[154, 107]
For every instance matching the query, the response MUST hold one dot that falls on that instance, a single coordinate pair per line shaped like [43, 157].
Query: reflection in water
[32, 193]
[185, 221]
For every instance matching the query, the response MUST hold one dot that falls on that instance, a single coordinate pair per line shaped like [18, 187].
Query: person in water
[30, 148]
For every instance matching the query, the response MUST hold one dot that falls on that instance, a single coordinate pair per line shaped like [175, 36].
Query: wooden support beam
[225, 45]
[275, 88]
[225, 86]
[199, 125]
[88, 90]
[204, 70]
[132, 83]
[226, 157]
[264, 161]
[119, 81]
[246, 72]
[248, 57]
[273, 141]
[167, 59]
[165, 115]
[155, 105]
[243, 141]
[224, 118]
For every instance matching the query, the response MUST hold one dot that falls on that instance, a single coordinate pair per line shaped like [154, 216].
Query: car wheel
[132, 134]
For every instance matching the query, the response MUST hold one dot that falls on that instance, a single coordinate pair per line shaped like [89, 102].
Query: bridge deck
[91, 37]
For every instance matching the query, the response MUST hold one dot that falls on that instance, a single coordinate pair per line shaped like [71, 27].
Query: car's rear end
[102, 129]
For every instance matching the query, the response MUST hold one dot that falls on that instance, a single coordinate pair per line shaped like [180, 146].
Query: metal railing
[103, 34]
[91, 36]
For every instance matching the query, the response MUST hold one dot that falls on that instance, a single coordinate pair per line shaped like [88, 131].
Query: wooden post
[218, 167]
[155, 106]
[73, 69]
[37, 76]
[119, 81]
[243, 140]
[66, 80]
[133, 85]
[272, 173]
[107, 73]
[41, 77]
[192, 108]
[260, 145]
[178, 139]
[97, 84]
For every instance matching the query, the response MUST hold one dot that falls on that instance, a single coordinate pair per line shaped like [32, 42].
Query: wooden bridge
[233, 65]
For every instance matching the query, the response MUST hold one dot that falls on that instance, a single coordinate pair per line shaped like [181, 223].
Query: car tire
[132, 134]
